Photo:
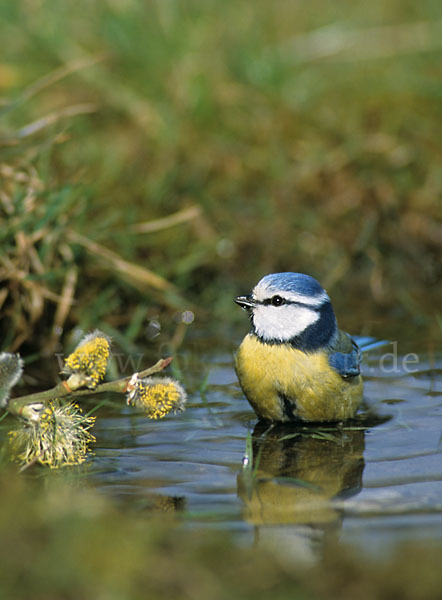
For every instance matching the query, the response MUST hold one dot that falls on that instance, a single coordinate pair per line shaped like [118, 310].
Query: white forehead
[265, 289]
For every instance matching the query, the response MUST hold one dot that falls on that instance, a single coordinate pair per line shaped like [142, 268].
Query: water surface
[372, 483]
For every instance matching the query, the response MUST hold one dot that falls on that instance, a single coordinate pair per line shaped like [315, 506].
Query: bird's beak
[246, 302]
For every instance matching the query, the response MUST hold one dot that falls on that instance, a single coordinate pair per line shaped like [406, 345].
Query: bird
[295, 364]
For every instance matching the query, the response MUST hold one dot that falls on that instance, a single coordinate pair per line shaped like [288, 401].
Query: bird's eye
[277, 301]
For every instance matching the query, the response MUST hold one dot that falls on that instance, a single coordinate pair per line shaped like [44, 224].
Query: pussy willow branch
[61, 390]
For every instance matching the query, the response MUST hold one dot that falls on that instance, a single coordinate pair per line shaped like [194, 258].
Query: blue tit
[295, 364]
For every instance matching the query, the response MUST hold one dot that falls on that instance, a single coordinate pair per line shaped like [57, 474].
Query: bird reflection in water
[291, 477]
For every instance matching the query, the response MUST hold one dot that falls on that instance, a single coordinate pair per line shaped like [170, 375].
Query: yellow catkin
[60, 437]
[157, 397]
[89, 360]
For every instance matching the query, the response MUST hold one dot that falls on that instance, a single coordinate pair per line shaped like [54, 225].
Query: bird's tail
[366, 343]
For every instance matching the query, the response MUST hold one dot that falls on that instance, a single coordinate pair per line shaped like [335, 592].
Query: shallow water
[372, 483]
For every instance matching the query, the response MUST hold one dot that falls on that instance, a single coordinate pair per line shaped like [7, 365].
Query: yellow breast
[282, 383]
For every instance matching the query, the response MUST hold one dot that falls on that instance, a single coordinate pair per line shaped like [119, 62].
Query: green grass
[307, 137]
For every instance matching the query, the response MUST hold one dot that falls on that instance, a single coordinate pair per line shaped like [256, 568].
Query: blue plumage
[346, 364]
[302, 284]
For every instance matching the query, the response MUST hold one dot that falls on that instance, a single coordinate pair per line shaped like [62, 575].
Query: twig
[61, 390]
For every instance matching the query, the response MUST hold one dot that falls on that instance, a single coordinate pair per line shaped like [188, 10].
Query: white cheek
[282, 322]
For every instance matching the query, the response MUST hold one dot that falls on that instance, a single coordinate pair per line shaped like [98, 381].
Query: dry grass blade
[53, 77]
[135, 273]
[3, 295]
[63, 307]
[181, 216]
[70, 111]
[118, 94]
[360, 44]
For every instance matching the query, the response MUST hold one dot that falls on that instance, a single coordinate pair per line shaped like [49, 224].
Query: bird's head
[291, 307]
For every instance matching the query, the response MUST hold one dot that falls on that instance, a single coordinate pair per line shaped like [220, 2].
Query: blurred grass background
[276, 136]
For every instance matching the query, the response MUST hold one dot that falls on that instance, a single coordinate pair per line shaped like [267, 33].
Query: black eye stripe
[268, 302]
[274, 301]
[285, 302]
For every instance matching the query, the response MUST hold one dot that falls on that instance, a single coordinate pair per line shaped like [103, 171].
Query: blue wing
[345, 357]
[346, 362]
